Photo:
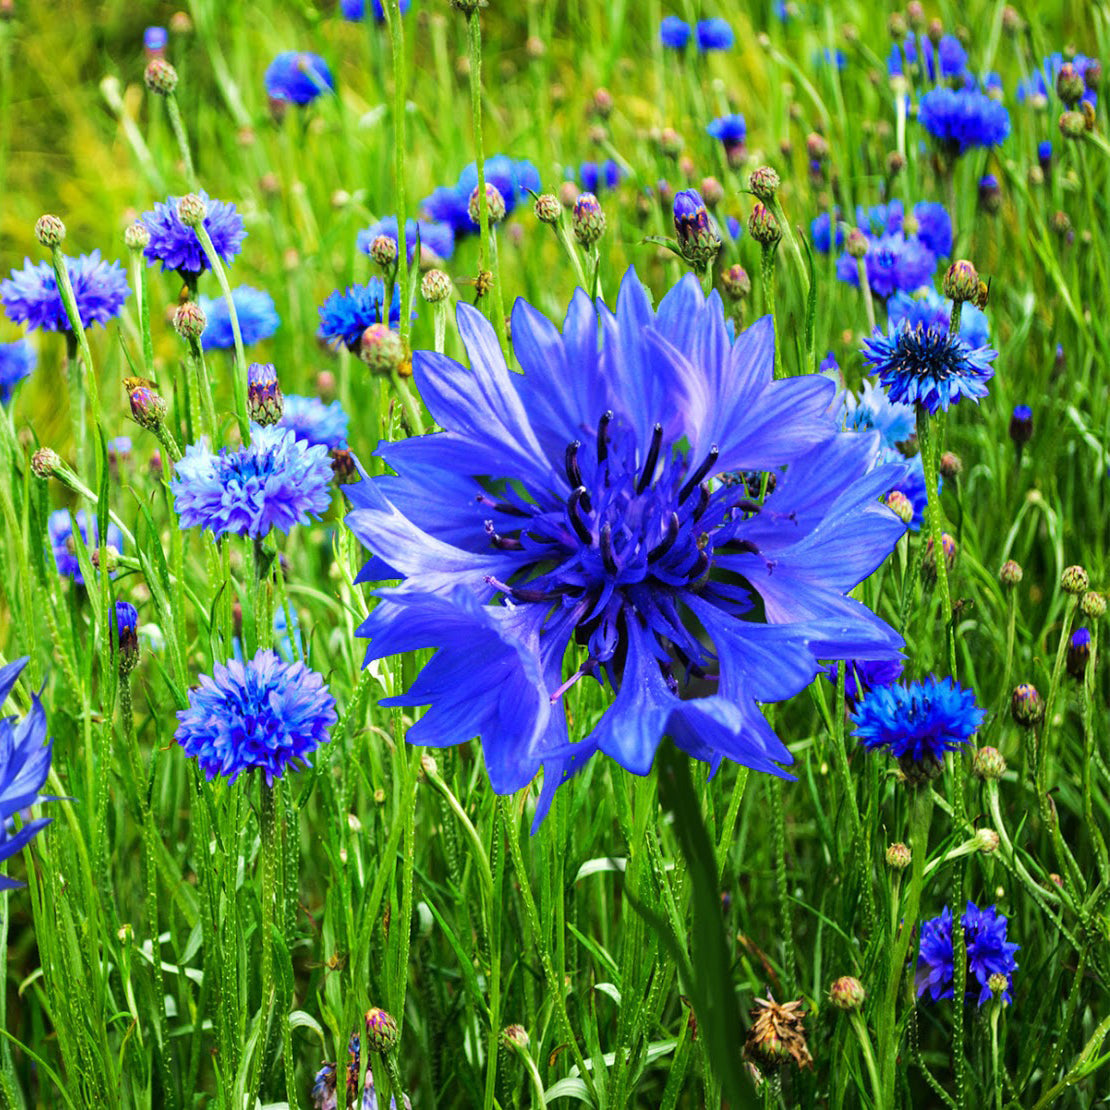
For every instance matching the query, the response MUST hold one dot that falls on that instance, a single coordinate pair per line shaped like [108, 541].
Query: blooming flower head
[893, 262]
[928, 309]
[275, 482]
[314, 422]
[31, 295]
[928, 366]
[17, 360]
[714, 34]
[298, 76]
[24, 766]
[953, 57]
[59, 526]
[988, 954]
[674, 33]
[917, 723]
[265, 714]
[435, 236]
[254, 309]
[731, 130]
[596, 177]
[355, 10]
[612, 497]
[176, 245]
[345, 316]
[963, 118]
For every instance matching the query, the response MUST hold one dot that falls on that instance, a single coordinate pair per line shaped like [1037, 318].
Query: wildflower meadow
[554, 554]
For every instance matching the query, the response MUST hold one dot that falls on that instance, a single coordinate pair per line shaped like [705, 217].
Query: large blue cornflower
[989, 953]
[345, 316]
[265, 714]
[674, 33]
[276, 482]
[645, 508]
[929, 367]
[176, 245]
[714, 34]
[298, 76]
[17, 360]
[963, 118]
[928, 309]
[435, 236]
[24, 766]
[31, 295]
[314, 422]
[917, 723]
[59, 526]
[892, 262]
[254, 308]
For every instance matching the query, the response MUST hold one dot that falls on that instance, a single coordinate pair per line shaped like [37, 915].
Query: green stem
[865, 289]
[767, 273]
[864, 1039]
[204, 388]
[929, 437]
[400, 146]
[178, 125]
[786, 914]
[270, 829]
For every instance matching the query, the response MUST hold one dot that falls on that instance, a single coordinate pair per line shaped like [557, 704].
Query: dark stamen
[703, 502]
[603, 436]
[570, 461]
[574, 511]
[500, 506]
[695, 479]
[505, 543]
[700, 568]
[652, 459]
[522, 593]
[668, 540]
[607, 556]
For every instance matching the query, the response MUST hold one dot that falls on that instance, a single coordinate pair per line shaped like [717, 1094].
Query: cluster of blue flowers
[254, 309]
[989, 954]
[710, 34]
[355, 10]
[916, 55]
[513, 178]
[176, 245]
[31, 296]
[436, 236]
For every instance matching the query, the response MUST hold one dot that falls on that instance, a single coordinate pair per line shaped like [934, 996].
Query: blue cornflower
[963, 118]
[873, 410]
[953, 57]
[59, 526]
[907, 56]
[31, 295]
[612, 496]
[731, 131]
[829, 365]
[714, 34]
[265, 714]
[918, 723]
[861, 675]
[926, 308]
[514, 179]
[822, 229]
[17, 360]
[276, 482]
[298, 76]
[315, 422]
[155, 39]
[254, 308]
[355, 10]
[934, 227]
[892, 263]
[988, 954]
[177, 247]
[345, 316]
[127, 636]
[435, 236]
[929, 367]
[594, 178]
[24, 765]
[1078, 653]
[674, 33]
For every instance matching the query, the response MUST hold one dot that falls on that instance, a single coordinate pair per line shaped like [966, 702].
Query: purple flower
[59, 526]
[988, 954]
[298, 77]
[255, 311]
[176, 245]
[31, 295]
[17, 360]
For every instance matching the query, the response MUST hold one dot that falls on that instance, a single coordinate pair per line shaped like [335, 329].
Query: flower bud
[896, 26]
[736, 282]
[999, 984]
[847, 993]
[987, 841]
[1092, 605]
[990, 194]
[764, 183]
[1074, 580]
[856, 243]
[148, 407]
[381, 1030]
[698, 241]
[383, 251]
[50, 231]
[1072, 125]
[900, 505]
[45, 463]
[817, 147]
[515, 1035]
[343, 466]
[435, 286]
[1092, 75]
[961, 282]
[189, 321]
[763, 226]
[1078, 653]
[127, 637]
[588, 220]
[1069, 85]
[160, 76]
[1010, 574]
[265, 402]
[988, 764]
[547, 208]
[935, 31]
[929, 566]
[1021, 425]
[951, 466]
[898, 856]
[712, 191]
[381, 349]
[495, 205]
[136, 237]
[191, 210]
[1026, 705]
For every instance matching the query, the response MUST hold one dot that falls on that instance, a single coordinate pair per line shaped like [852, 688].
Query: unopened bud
[127, 636]
[898, 856]
[764, 183]
[951, 465]
[191, 210]
[148, 407]
[1072, 124]
[189, 321]
[698, 241]
[265, 402]
[50, 231]
[1092, 605]
[547, 208]
[1010, 574]
[856, 243]
[495, 205]
[736, 282]
[435, 286]
[1026, 705]
[1074, 580]
[986, 840]
[588, 220]
[900, 505]
[137, 236]
[381, 1030]
[381, 349]
[763, 226]
[847, 993]
[1069, 85]
[988, 764]
[961, 282]
[160, 76]
[45, 463]
[383, 251]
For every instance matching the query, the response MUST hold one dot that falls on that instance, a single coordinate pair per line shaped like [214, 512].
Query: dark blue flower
[59, 525]
[254, 308]
[988, 954]
[24, 766]
[963, 118]
[315, 422]
[929, 367]
[892, 263]
[1078, 653]
[276, 482]
[514, 179]
[345, 316]
[864, 674]
[928, 309]
[298, 76]
[17, 360]
[31, 295]
[594, 177]
[919, 722]
[435, 236]
[829, 365]
[177, 247]
[612, 496]
[953, 57]
[731, 130]
[674, 33]
[155, 39]
[714, 34]
[265, 714]
[355, 10]
[822, 230]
